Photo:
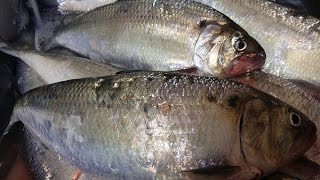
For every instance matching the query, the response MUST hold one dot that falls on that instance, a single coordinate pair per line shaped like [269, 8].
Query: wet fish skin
[71, 6]
[290, 93]
[112, 127]
[162, 36]
[291, 40]
[45, 163]
[56, 67]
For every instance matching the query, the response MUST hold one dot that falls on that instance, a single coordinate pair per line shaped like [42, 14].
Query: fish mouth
[246, 63]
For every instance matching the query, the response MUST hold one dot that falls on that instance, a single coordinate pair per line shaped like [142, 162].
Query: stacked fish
[144, 89]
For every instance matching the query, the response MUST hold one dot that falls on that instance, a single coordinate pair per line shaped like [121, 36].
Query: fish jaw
[245, 63]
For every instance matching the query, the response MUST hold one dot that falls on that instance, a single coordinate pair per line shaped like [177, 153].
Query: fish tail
[28, 79]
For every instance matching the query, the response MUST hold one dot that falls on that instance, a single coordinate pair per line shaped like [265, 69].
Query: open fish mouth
[246, 63]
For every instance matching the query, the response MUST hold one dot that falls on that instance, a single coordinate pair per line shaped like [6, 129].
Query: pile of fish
[163, 89]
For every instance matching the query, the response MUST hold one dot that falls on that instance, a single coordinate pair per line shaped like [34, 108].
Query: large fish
[291, 94]
[291, 41]
[160, 125]
[161, 35]
[45, 163]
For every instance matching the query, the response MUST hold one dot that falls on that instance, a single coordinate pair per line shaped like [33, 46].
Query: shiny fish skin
[162, 36]
[148, 125]
[291, 94]
[54, 68]
[291, 41]
[71, 6]
[44, 163]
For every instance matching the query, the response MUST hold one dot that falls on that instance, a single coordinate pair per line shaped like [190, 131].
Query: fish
[145, 125]
[54, 67]
[160, 36]
[290, 93]
[290, 40]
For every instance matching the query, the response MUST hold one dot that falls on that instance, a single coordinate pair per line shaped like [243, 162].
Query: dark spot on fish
[44, 146]
[202, 23]
[107, 82]
[211, 98]
[145, 108]
[232, 101]
[108, 106]
[190, 80]
[52, 95]
[149, 79]
[171, 77]
[124, 8]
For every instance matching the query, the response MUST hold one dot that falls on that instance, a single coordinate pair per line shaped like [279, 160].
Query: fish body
[54, 67]
[159, 125]
[290, 93]
[161, 36]
[291, 40]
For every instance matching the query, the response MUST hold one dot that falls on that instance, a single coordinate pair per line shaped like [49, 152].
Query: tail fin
[27, 78]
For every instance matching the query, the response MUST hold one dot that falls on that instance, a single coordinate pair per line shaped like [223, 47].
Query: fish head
[241, 54]
[226, 52]
[274, 134]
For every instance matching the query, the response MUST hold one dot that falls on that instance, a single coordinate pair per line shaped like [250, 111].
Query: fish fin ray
[27, 78]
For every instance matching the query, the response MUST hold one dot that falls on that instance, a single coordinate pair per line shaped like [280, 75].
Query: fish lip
[245, 63]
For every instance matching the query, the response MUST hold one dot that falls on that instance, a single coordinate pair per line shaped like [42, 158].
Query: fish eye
[295, 119]
[240, 45]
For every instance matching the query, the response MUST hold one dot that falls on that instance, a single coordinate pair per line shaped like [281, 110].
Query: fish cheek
[280, 137]
[254, 130]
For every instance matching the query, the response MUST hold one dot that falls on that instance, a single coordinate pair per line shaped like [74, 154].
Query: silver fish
[160, 125]
[291, 41]
[162, 36]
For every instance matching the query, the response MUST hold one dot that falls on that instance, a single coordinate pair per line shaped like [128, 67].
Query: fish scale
[160, 36]
[140, 125]
[290, 39]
